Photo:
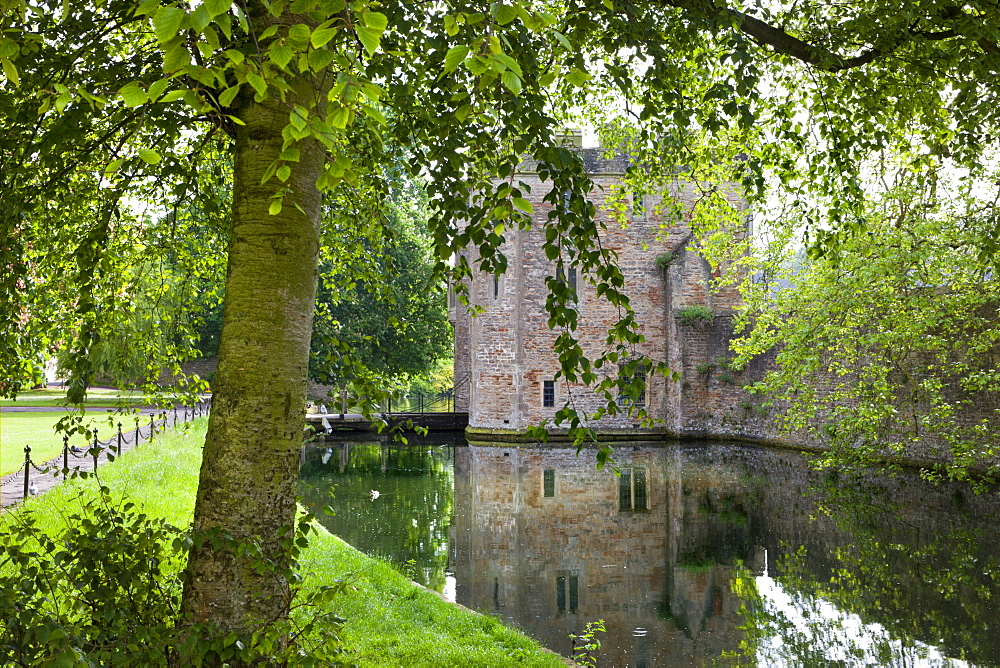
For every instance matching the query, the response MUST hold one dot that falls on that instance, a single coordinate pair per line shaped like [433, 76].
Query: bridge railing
[421, 402]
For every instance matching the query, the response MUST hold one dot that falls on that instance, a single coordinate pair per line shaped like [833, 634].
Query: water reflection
[694, 555]
[389, 500]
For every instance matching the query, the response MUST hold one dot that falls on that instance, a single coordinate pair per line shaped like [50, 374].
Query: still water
[696, 554]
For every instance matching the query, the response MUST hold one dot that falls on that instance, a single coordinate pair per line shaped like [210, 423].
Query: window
[549, 393]
[567, 278]
[496, 286]
[549, 482]
[632, 490]
[567, 593]
[636, 377]
[638, 205]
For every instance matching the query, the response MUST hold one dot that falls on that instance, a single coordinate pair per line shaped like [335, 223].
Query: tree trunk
[248, 476]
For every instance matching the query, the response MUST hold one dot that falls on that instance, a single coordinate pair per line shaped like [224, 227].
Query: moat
[696, 554]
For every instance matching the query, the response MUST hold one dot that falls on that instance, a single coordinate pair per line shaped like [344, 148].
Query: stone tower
[505, 366]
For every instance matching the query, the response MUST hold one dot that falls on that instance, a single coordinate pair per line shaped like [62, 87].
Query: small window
[638, 205]
[632, 490]
[549, 482]
[567, 593]
[639, 376]
[549, 393]
[568, 278]
[496, 286]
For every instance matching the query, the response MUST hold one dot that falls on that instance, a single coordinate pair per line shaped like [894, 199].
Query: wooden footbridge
[328, 423]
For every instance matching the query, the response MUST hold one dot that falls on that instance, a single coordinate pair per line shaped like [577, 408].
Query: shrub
[663, 260]
[105, 590]
[693, 315]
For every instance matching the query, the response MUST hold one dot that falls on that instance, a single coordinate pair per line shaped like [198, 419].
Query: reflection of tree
[914, 566]
[412, 515]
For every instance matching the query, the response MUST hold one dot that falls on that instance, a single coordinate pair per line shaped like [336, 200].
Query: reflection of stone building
[551, 543]
[546, 541]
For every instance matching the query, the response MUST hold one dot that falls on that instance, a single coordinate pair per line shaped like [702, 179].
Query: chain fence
[33, 478]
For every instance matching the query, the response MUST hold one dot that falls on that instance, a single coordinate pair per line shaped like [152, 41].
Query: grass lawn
[97, 397]
[390, 620]
[37, 429]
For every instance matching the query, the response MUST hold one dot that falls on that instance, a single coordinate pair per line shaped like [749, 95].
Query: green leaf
[577, 76]
[173, 96]
[234, 56]
[284, 173]
[133, 95]
[257, 82]
[290, 154]
[281, 55]
[369, 37]
[157, 88]
[299, 34]
[320, 58]
[149, 156]
[216, 7]
[454, 57]
[504, 14]
[10, 71]
[509, 63]
[376, 20]
[375, 114]
[227, 96]
[320, 37]
[511, 82]
[113, 166]
[147, 7]
[340, 117]
[561, 38]
[275, 207]
[523, 205]
[167, 22]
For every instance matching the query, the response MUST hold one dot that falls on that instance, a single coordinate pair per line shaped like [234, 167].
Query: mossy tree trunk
[251, 456]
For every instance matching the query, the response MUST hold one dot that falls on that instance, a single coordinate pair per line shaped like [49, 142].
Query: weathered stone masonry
[504, 356]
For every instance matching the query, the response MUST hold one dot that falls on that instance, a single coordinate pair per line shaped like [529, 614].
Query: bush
[693, 315]
[663, 260]
[105, 591]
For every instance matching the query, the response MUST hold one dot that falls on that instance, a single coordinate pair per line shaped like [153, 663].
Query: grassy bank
[390, 621]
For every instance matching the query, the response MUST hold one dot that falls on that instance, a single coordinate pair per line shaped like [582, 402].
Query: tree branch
[818, 56]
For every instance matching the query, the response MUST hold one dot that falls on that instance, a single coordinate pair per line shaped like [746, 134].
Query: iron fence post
[137, 430]
[65, 454]
[27, 470]
[119, 437]
[97, 453]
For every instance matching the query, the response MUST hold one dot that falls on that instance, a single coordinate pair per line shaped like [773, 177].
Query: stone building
[505, 366]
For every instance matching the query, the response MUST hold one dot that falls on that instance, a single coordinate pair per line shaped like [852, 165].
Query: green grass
[37, 429]
[390, 620]
[97, 397]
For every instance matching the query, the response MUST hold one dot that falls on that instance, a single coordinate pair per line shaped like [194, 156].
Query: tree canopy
[122, 101]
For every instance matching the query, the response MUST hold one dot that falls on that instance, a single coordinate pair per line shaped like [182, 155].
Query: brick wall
[506, 351]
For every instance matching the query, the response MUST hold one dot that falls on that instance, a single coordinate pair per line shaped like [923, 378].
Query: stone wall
[506, 351]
